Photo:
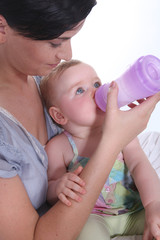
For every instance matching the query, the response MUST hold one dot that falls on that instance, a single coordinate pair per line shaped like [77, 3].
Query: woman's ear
[3, 26]
[57, 115]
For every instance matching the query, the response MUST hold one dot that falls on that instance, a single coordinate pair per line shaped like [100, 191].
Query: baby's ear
[3, 26]
[57, 115]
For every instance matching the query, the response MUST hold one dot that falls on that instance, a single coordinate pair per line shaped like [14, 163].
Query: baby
[68, 92]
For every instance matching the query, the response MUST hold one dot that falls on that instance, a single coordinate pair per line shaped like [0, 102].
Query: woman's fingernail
[112, 85]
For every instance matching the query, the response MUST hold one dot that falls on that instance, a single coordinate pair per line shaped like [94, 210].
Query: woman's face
[32, 57]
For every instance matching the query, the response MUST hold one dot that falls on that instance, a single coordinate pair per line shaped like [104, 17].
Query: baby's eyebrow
[81, 82]
[97, 79]
[76, 85]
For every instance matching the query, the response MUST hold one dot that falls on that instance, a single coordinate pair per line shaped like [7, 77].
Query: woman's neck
[9, 75]
[12, 79]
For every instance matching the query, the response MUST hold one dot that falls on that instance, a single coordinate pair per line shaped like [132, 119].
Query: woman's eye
[97, 84]
[55, 45]
[79, 91]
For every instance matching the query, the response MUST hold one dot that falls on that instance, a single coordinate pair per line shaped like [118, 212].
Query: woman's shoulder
[7, 125]
[10, 155]
[21, 154]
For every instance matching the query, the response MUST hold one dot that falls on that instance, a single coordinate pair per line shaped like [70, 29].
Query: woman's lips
[53, 65]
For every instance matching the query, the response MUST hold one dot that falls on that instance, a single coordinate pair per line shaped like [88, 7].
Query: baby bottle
[140, 80]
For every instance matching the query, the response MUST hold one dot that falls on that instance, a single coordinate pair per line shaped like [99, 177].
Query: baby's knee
[95, 228]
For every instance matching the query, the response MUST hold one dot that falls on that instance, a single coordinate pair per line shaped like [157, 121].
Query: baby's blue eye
[79, 91]
[96, 84]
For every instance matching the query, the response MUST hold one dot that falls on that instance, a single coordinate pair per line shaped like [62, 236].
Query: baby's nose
[93, 90]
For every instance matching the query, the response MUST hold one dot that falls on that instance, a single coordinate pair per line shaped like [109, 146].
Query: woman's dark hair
[44, 19]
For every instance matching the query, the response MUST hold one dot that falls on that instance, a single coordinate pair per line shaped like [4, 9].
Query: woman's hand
[123, 126]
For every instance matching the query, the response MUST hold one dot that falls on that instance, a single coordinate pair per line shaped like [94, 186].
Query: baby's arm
[148, 185]
[61, 184]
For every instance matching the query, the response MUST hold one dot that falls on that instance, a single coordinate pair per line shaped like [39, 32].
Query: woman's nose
[65, 52]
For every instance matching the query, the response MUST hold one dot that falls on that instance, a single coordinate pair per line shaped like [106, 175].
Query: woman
[34, 37]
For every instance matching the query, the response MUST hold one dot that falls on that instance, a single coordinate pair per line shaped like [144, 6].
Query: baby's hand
[152, 217]
[69, 185]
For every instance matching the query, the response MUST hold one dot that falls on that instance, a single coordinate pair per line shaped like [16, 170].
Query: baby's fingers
[155, 229]
[73, 177]
[147, 235]
[64, 199]
[69, 193]
[75, 187]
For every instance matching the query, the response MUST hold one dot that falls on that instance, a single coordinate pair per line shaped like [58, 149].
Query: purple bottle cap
[142, 79]
[149, 66]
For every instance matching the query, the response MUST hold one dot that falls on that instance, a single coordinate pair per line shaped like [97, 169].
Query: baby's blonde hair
[47, 84]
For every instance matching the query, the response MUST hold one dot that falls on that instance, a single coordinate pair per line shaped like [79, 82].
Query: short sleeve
[22, 154]
[10, 159]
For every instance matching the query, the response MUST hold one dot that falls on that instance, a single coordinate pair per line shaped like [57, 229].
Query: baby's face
[75, 92]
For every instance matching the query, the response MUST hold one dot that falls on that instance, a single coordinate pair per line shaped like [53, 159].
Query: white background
[115, 34]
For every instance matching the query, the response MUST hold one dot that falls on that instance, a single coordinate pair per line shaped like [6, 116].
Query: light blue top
[22, 154]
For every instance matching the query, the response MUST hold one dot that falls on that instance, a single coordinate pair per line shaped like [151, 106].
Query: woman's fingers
[149, 105]
[123, 126]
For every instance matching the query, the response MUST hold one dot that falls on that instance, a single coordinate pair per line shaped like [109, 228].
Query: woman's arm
[18, 218]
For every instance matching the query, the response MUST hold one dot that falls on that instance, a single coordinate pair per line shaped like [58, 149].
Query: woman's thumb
[112, 95]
